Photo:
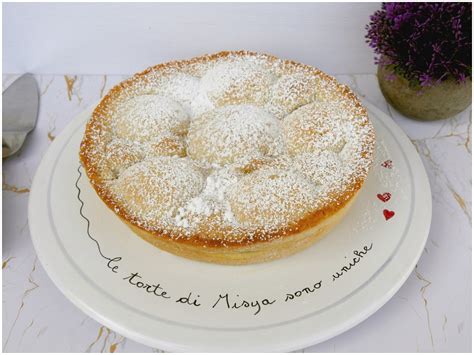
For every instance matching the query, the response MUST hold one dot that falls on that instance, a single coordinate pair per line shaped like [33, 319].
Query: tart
[231, 158]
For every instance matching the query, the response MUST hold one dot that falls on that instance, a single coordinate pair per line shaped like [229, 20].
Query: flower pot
[442, 100]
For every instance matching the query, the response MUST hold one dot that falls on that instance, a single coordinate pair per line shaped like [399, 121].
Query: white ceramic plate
[176, 304]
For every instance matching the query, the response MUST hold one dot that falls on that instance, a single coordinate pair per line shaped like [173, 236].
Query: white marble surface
[431, 312]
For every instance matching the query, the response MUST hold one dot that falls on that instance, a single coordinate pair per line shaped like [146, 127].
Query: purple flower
[425, 80]
[425, 42]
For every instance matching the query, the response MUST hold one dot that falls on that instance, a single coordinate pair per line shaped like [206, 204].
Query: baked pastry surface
[232, 158]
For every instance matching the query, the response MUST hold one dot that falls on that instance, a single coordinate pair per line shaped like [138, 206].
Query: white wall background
[123, 38]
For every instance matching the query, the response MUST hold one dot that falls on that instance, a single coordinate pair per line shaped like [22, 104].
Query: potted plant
[423, 52]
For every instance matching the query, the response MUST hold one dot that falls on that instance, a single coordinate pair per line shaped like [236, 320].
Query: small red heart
[384, 197]
[388, 214]
[387, 164]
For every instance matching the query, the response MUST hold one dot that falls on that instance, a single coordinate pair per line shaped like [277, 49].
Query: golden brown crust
[247, 254]
[202, 247]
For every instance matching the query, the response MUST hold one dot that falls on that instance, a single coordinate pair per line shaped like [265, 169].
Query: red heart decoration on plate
[387, 164]
[384, 197]
[388, 214]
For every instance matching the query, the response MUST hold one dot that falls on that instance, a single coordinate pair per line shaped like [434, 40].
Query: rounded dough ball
[237, 82]
[234, 133]
[271, 197]
[185, 89]
[154, 189]
[324, 168]
[180, 87]
[314, 128]
[166, 145]
[119, 155]
[141, 118]
[292, 91]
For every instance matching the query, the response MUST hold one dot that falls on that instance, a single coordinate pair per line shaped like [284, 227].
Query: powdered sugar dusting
[244, 132]
[141, 118]
[228, 148]
[239, 81]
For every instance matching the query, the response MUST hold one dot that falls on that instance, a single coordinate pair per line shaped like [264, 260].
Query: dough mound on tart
[273, 196]
[243, 130]
[237, 82]
[313, 129]
[232, 158]
[292, 91]
[142, 118]
[153, 189]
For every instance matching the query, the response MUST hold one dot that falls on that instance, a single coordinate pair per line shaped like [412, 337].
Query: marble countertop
[430, 313]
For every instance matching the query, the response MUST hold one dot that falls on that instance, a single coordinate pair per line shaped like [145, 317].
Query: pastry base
[247, 254]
